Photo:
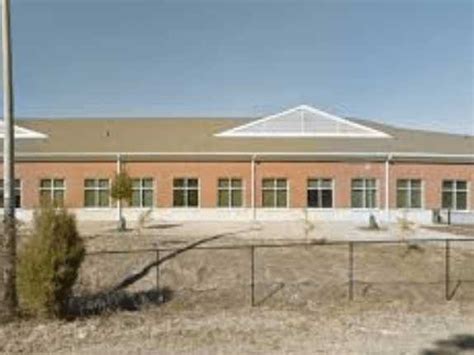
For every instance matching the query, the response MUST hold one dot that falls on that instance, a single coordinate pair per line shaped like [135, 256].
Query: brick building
[300, 162]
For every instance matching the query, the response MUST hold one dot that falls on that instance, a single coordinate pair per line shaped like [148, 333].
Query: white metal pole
[119, 202]
[252, 187]
[9, 297]
[387, 187]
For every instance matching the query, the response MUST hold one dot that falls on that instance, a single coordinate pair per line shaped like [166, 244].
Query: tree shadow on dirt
[163, 226]
[118, 299]
[131, 279]
[456, 344]
[108, 302]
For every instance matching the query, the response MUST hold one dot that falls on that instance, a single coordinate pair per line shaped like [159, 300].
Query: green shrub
[49, 262]
[121, 189]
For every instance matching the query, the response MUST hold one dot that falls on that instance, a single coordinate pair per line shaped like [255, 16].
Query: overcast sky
[408, 63]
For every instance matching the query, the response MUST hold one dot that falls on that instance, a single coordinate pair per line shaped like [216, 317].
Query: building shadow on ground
[457, 344]
[106, 302]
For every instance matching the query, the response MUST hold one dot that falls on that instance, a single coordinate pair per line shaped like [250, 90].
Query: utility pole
[8, 289]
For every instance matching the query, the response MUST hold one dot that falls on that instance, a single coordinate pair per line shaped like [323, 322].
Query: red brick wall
[432, 176]
[342, 173]
[73, 174]
[208, 173]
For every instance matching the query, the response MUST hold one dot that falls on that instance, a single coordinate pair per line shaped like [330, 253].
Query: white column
[387, 187]
[118, 170]
[252, 187]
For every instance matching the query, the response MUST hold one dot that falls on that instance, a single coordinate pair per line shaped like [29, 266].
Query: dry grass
[458, 230]
[301, 293]
[329, 328]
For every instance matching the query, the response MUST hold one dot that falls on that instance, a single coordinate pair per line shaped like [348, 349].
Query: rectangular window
[17, 193]
[364, 193]
[142, 192]
[409, 194]
[52, 191]
[454, 194]
[320, 193]
[186, 192]
[96, 193]
[229, 192]
[275, 193]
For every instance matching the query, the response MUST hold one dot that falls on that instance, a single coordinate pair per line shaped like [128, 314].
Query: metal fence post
[252, 275]
[157, 269]
[351, 271]
[447, 269]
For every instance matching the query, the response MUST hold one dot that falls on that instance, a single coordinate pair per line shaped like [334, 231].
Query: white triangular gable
[303, 121]
[21, 132]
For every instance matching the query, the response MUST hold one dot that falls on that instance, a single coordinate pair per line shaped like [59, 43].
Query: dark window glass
[96, 193]
[52, 191]
[402, 199]
[319, 193]
[178, 182]
[147, 198]
[229, 192]
[447, 199]
[313, 198]
[89, 198]
[236, 198]
[223, 198]
[274, 193]
[281, 198]
[461, 200]
[409, 193]
[179, 198]
[326, 196]
[357, 198]
[364, 193]
[186, 192]
[17, 193]
[268, 198]
[454, 194]
[142, 192]
[193, 200]
[415, 201]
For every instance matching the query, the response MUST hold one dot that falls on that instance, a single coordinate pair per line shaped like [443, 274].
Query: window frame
[52, 189]
[229, 189]
[454, 192]
[410, 189]
[186, 188]
[97, 189]
[141, 189]
[364, 195]
[320, 188]
[275, 188]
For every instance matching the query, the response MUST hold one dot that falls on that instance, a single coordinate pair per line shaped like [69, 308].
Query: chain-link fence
[256, 274]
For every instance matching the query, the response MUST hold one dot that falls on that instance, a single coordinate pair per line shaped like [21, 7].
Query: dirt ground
[200, 301]
[329, 328]
[103, 236]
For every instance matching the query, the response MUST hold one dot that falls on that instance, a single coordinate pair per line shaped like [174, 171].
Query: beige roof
[197, 136]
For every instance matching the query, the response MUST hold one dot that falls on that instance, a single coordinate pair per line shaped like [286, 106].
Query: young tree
[49, 262]
[121, 191]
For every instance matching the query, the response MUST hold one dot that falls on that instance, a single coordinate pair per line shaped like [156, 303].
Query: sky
[408, 63]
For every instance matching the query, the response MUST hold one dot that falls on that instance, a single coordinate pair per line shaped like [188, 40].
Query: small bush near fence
[49, 263]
